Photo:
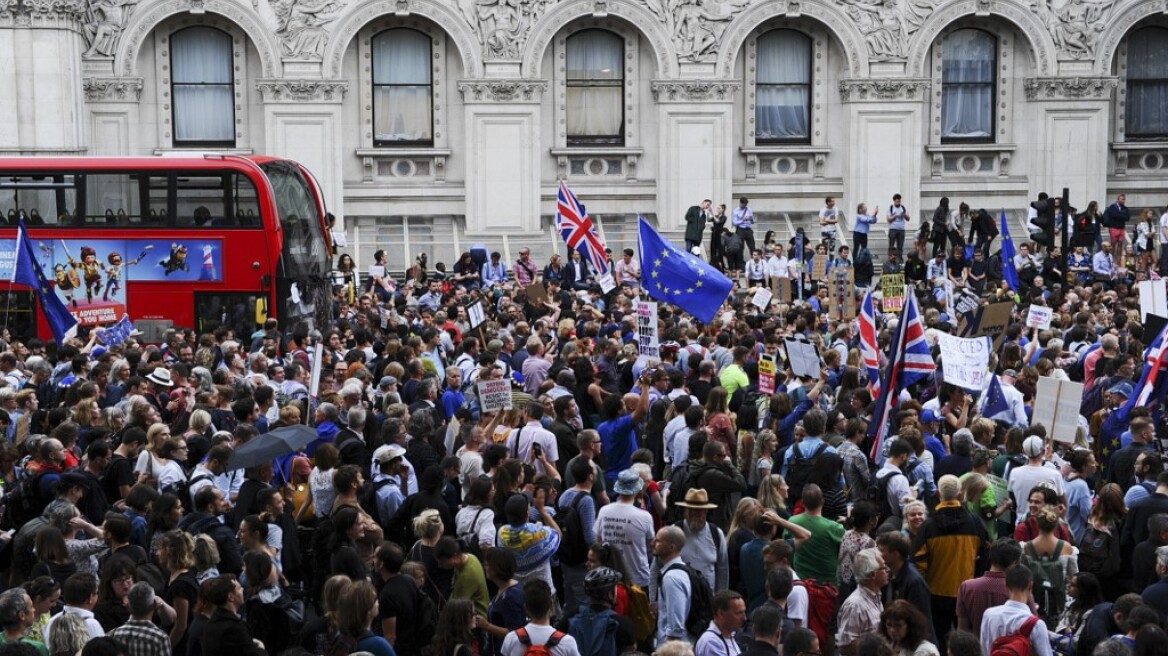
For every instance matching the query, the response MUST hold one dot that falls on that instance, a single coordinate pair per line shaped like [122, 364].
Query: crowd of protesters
[616, 505]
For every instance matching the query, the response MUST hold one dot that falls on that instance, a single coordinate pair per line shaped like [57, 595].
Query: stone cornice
[502, 90]
[42, 13]
[684, 91]
[113, 89]
[1069, 88]
[884, 89]
[302, 91]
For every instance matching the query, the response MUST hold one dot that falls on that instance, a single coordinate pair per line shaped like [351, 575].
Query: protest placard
[843, 293]
[606, 282]
[965, 362]
[782, 289]
[536, 293]
[475, 314]
[967, 301]
[762, 298]
[1056, 406]
[1039, 317]
[317, 359]
[892, 287]
[987, 321]
[1153, 298]
[494, 395]
[819, 267]
[648, 344]
[803, 356]
[766, 375]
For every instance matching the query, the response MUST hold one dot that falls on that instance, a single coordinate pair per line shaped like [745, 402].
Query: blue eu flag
[28, 272]
[672, 275]
[1009, 272]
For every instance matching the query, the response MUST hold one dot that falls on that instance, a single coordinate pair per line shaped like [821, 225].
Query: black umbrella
[269, 446]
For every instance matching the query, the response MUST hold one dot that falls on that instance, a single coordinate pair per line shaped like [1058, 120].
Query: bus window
[212, 201]
[112, 199]
[157, 196]
[42, 200]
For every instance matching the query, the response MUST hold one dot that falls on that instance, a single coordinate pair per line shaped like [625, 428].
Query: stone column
[302, 121]
[40, 66]
[503, 153]
[1072, 130]
[696, 135]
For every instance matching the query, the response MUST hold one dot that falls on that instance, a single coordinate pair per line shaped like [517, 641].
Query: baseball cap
[929, 416]
[388, 453]
[1033, 446]
[387, 381]
[1124, 389]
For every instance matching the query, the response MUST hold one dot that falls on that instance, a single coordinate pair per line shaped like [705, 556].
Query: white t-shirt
[797, 603]
[1023, 479]
[1164, 228]
[484, 527]
[539, 634]
[829, 213]
[630, 530]
[470, 468]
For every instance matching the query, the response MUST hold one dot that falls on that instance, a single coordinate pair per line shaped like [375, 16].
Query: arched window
[967, 86]
[202, 86]
[783, 87]
[595, 81]
[1147, 84]
[403, 88]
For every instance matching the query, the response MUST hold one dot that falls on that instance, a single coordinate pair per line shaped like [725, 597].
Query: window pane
[594, 111]
[1146, 54]
[784, 57]
[595, 55]
[1146, 108]
[403, 113]
[203, 113]
[783, 92]
[401, 57]
[967, 86]
[201, 55]
[782, 111]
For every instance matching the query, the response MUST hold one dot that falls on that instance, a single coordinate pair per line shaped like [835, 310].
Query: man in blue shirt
[863, 226]
[744, 223]
[453, 398]
[389, 480]
[618, 434]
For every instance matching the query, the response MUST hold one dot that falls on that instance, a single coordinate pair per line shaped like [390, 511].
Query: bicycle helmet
[600, 581]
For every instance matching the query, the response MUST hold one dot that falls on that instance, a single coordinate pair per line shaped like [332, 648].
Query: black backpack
[799, 473]
[368, 499]
[878, 494]
[573, 547]
[24, 502]
[1099, 553]
[182, 490]
[470, 540]
[679, 481]
[701, 599]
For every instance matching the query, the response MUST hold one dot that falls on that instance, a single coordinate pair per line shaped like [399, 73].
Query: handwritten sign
[1153, 298]
[766, 375]
[781, 289]
[494, 395]
[762, 298]
[803, 356]
[987, 321]
[965, 362]
[648, 344]
[819, 267]
[474, 312]
[1039, 317]
[892, 286]
[1056, 406]
[606, 282]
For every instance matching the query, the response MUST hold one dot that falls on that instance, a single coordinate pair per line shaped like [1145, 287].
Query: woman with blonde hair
[763, 457]
[149, 464]
[429, 528]
[206, 555]
[67, 635]
[772, 495]
[915, 514]
[1047, 552]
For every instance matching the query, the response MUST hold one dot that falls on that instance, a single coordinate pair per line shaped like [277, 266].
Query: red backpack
[822, 605]
[1017, 643]
[546, 648]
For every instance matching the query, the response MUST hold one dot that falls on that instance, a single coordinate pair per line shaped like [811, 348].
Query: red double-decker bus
[192, 241]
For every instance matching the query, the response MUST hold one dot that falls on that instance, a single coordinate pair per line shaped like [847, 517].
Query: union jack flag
[578, 230]
[1155, 363]
[908, 363]
[868, 346]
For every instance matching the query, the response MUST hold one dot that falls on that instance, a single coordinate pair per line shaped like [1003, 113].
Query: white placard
[648, 342]
[762, 298]
[1056, 406]
[376, 271]
[965, 362]
[1153, 299]
[317, 362]
[475, 314]
[494, 395]
[803, 356]
[1039, 317]
[339, 238]
[606, 282]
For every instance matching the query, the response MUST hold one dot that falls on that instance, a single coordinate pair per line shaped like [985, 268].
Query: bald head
[631, 401]
[1109, 342]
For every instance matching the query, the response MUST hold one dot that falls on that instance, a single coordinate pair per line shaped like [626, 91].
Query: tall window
[595, 80]
[783, 105]
[202, 85]
[967, 86]
[403, 88]
[1147, 84]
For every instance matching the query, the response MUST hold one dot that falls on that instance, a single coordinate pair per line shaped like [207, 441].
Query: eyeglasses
[124, 581]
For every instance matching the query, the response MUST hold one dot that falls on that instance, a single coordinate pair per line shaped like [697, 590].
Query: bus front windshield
[305, 252]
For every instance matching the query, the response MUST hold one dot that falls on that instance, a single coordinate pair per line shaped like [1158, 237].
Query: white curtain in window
[1147, 83]
[202, 82]
[402, 93]
[595, 84]
[967, 85]
[783, 105]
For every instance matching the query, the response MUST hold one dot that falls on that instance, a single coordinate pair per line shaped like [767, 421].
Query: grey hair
[867, 563]
[13, 602]
[1111, 647]
[117, 367]
[328, 410]
[356, 416]
[141, 599]
[59, 513]
[675, 648]
[203, 378]
[68, 634]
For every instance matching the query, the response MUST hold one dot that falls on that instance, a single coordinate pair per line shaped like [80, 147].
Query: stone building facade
[435, 124]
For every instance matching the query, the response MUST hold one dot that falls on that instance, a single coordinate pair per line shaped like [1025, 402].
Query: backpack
[701, 599]
[822, 605]
[679, 481]
[595, 632]
[878, 494]
[152, 574]
[537, 650]
[799, 472]
[573, 548]
[182, 490]
[1015, 644]
[24, 502]
[368, 500]
[1049, 580]
[1099, 553]
[469, 541]
[427, 621]
[640, 612]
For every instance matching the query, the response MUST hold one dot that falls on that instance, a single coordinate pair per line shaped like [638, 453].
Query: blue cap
[1124, 389]
[929, 417]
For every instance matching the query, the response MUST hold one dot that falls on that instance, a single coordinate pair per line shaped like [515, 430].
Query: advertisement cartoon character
[67, 281]
[177, 259]
[208, 271]
[113, 273]
[91, 269]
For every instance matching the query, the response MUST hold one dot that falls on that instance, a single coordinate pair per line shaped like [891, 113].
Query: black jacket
[351, 446]
[227, 634]
[721, 482]
[230, 558]
[568, 273]
[908, 584]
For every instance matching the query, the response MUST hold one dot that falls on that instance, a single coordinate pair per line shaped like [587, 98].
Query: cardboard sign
[1153, 299]
[1039, 317]
[803, 356]
[494, 395]
[1056, 406]
[892, 287]
[782, 289]
[843, 293]
[606, 282]
[766, 375]
[536, 293]
[965, 362]
[819, 267]
[967, 301]
[648, 344]
[987, 321]
[762, 298]
[475, 314]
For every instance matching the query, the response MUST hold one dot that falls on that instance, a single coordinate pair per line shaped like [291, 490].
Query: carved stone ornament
[104, 22]
[697, 26]
[502, 91]
[306, 91]
[302, 26]
[113, 89]
[876, 89]
[1074, 25]
[502, 25]
[1069, 88]
[694, 90]
[26, 13]
[888, 25]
